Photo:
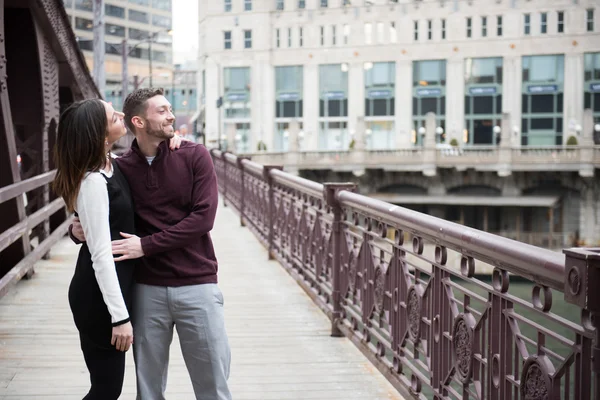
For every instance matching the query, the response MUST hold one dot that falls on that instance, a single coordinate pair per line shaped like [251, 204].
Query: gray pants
[197, 313]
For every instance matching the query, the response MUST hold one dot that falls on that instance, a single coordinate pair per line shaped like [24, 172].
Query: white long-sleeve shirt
[93, 210]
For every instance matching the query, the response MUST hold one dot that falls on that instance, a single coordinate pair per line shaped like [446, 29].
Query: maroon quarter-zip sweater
[175, 200]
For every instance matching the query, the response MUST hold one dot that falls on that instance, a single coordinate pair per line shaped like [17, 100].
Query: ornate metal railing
[434, 329]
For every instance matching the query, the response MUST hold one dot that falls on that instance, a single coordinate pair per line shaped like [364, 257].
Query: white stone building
[331, 64]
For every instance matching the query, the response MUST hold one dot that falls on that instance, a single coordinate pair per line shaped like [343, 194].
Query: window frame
[560, 21]
[527, 24]
[469, 26]
[227, 41]
[484, 26]
[499, 25]
[443, 30]
[543, 23]
[416, 30]
[247, 38]
[429, 29]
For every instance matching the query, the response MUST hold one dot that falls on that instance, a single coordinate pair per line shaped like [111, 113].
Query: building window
[561, 22]
[429, 29]
[527, 24]
[542, 100]
[416, 30]
[324, 3]
[139, 16]
[237, 92]
[483, 26]
[114, 11]
[469, 27]
[138, 34]
[499, 25]
[227, 40]
[227, 5]
[279, 5]
[483, 100]
[544, 23]
[301, 4]
[591, 98]
[288, 101]
[333, 34]
[380, 81]
[248, 39]
[322, 36]
[393, 33]
[248, 5]
[236, 103]
[162, 4]
[346, 34]
[368, 33]
[429, 95]
[289, 32]
[84, 24]
[333, 107]
[86, 45]
[277, 38]
[300, 37]
[85, 5]
[443, 29]
[141, 2]
[590, 19]
[114, 30]
[162, 21]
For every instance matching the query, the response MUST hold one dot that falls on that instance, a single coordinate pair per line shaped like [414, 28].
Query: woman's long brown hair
[80, 147]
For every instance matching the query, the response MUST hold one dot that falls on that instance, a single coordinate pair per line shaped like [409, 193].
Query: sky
[185, 30]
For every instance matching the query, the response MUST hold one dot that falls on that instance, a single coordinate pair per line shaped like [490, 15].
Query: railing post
[582, 280]
[225, 178]
[271, 217]
[330, 191]
[240, 166]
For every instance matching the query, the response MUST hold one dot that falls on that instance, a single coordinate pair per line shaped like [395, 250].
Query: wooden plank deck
[281, 348]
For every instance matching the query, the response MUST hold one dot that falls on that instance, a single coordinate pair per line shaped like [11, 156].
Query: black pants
[107, 369]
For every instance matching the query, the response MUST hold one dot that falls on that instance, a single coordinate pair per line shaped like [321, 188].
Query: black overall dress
[105, 363]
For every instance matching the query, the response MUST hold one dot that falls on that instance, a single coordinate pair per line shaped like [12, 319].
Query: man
[175, 199]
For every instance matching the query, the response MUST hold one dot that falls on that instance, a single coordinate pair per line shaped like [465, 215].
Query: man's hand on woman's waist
[128, 248]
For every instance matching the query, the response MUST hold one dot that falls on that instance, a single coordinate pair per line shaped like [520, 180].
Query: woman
[93, 187]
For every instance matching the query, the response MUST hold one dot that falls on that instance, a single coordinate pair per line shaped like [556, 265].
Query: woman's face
[116, 125]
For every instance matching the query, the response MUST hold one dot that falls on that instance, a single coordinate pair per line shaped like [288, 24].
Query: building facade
[135, 21]
[331, 64]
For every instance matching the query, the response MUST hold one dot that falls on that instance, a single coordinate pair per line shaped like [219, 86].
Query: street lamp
[497, 131]
[125, 52]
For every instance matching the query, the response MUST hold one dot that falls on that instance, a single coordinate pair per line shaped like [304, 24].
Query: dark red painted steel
[39, 52]
[402, 286]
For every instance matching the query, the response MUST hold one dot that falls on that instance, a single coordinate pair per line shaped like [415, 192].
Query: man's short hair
[136, 104]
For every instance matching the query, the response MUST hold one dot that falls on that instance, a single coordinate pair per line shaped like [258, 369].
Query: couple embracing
[147, 262]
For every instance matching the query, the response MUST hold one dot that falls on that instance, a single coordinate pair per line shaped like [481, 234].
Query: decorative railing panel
[402, 286]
